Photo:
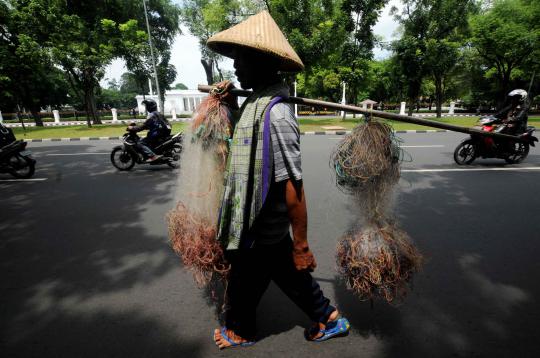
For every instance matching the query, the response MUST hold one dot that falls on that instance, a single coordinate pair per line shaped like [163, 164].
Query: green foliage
[83, 37]
[28, 78]
[204, 18]
[114, 98]
[433, 34]
[505, 37]
[130, 84]
[180, 86]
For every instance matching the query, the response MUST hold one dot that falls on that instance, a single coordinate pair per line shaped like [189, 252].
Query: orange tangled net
[378, 262]
[194, 240]
[212, 125]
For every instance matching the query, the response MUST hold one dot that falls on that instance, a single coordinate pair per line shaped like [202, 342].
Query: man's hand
[303, 257]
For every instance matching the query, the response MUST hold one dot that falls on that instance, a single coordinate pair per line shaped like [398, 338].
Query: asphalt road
[86, 270]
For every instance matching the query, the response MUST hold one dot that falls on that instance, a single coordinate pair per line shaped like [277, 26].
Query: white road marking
[30, 180]
[70, 154]
[423, 146]
[468, 170]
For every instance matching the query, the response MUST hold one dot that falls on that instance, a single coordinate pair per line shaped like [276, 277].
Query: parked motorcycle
[124, 157]
[14, 158]
[480, 146]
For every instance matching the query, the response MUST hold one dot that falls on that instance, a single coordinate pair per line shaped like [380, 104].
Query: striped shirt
[272, 224]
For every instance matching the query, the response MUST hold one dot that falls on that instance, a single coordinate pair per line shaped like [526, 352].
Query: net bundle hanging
[376, 259]
[192, 223]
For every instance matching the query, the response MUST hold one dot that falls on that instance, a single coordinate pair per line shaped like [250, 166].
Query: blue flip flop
[337, 328]
[233, 343]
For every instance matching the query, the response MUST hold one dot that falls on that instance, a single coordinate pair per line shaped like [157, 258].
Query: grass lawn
[306, 125]
[311, 124]
[101, 130]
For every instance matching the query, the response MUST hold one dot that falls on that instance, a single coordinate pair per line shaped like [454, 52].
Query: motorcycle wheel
[465, 153]
[122, 159]
[22, 167]
[174, 155]
[519, 153]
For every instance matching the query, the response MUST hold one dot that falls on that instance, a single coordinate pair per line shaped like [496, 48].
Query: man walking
[264, 193]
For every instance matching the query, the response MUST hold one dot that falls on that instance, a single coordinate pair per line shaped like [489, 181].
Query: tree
[130, 84]
[164, 21]
[361, 16]
[82, 38]
[433, 31]
[505, 37]
[387, 82]
[441, 57]
[204, 18]
[28, 79]
[180, 86]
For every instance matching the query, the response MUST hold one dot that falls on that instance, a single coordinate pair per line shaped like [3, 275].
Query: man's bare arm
[297, 210]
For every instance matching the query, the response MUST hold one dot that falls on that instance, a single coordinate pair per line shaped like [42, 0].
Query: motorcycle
[14, 158]
[480, 146]
[124, 157]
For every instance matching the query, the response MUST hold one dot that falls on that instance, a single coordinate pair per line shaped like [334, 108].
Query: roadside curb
[79, 123]
[41, 140]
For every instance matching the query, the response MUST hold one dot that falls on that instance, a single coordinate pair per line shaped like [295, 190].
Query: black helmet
[150, 104]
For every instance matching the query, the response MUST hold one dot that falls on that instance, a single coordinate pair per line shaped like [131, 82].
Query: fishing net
[367, 159]
[379, 260]
[192, 223]
[193, 238]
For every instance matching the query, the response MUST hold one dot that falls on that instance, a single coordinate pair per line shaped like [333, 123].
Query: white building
[182, 101]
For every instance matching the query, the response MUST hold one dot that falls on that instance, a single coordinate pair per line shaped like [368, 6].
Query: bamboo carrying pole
[379, 114]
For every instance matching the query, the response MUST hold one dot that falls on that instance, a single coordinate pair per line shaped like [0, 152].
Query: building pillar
[173, 113]
[452, 107]
[343, 101]
[295, 105]
[402, 108]
[114, 115]
[1, 118]
[56, 115]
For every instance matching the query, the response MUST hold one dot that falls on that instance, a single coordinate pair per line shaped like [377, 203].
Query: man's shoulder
[283, 112]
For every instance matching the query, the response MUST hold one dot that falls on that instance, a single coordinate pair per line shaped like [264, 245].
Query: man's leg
[248, 280]
[300, 286]
[145, 144]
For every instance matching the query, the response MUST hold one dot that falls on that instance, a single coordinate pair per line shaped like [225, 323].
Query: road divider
[24, 180]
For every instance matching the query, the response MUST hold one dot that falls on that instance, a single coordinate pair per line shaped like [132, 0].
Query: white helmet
[522, 94]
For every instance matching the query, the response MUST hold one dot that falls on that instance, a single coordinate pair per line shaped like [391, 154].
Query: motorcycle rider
[515, 115]
[158, 129]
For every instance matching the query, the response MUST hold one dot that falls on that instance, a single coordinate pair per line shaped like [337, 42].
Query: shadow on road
[477, 293]
[77, 243]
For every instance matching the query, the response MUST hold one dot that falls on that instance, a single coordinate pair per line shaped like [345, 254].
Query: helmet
[521, 94]
[150, 104]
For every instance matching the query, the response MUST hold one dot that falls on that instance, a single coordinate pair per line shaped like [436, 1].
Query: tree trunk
[37, 118]
[219, 71]
[209, 69]
[90, 102]
[410, 108]
[438, 96]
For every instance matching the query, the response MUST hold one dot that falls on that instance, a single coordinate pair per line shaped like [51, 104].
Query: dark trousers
[144, 145]
[251, 273]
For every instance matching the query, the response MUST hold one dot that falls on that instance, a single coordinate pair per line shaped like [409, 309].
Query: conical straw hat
[259, 32]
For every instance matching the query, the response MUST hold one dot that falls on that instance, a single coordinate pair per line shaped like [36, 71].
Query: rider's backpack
[164, 126]
[6, 135]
